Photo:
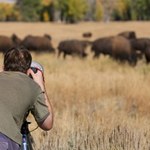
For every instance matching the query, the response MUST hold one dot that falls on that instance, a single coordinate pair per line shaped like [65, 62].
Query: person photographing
[19, 95]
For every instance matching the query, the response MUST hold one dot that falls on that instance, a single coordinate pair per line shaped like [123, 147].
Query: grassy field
[98, 104]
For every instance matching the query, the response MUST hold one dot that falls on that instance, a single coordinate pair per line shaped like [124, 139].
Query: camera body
[35, 66]
[34, 69]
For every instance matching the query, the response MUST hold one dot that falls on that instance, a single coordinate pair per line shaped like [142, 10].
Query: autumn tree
[98, 14]
[140, 8]
[8, 12]
[108, 8]
[29, 10]
[121, 11]
[72, 10]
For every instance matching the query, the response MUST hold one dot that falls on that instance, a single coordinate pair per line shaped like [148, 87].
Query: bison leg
[96, 55]
[83, 54]
[64, 55]
[132, 59]
[59, 53]
[147, 55]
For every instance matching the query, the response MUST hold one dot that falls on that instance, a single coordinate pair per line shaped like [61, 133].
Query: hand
[38, 77]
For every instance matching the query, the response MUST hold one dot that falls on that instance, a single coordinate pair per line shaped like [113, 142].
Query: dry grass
[98, 104]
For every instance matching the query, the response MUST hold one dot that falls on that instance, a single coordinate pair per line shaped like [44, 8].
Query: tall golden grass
[98, 104]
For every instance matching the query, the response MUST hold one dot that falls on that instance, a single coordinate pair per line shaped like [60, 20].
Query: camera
[34, 69]
[35, 66]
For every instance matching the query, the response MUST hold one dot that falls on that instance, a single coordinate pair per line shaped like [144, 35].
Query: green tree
[29, 10]
[47, 13]
[122, 10]
[142, 9]
[132, 10]
[72, 10]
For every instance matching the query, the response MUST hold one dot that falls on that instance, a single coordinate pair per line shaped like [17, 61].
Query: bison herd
[32, 43]
[123, 47]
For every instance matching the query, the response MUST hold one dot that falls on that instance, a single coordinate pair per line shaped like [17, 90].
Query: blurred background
[73, 11]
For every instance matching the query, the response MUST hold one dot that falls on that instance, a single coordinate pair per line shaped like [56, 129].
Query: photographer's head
[17, 59]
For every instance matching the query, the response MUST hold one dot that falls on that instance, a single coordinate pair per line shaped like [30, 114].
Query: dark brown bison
[16, 40]
[87, 34]
[38, 43]
[102, 46]
[116, 47]
[142, 46]
[140, 43]
[128, 34]
[147, 54]
[73, 47]
[48, 36]
[8, 42]
[122, 50]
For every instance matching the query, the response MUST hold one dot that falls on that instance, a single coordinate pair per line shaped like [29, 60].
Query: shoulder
[21, 78]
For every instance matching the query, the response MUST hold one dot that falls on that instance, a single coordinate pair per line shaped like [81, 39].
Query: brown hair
[17, 59]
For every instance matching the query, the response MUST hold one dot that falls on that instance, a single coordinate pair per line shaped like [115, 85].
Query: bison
[8, 42]
[128, 34]
[142, 46]
[140, 43]
[87, 35]
[102, 46]
[38, 43]
[116, 47]
[73, 47]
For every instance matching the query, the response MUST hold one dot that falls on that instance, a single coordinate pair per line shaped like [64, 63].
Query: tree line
[72, 11]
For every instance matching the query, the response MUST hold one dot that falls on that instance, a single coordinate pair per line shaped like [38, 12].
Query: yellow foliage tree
[46, 2]
[7, 12]
[121, 10]
[98, 11]
[45, 16]
[121, 6]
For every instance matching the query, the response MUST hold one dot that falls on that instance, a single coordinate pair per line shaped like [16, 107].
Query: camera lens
[34, 69]
[36, 66]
